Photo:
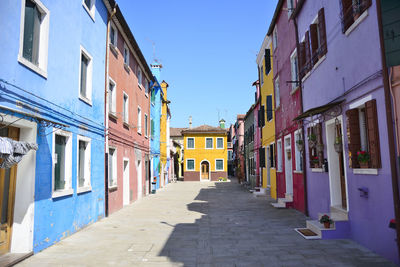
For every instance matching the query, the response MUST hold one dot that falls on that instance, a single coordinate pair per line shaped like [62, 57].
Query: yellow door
[7, 194]
[205, 167]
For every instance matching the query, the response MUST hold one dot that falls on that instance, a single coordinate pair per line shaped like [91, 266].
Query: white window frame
[139, 76]
[114, 174]
[187, 142]
[205, 143]
[87, 168]
[146, 125]
[125, 115]
[41, 68]
[223, 165]
[115, 35]
[68, 165]
[222, 143]
[294, 69]
[277, 93]
[113, 97]
[139, 122]
[126, 55]
[279, 156]
[275, 38]
[90, 10]
[88, 98]
[194, 165]
[297, 153]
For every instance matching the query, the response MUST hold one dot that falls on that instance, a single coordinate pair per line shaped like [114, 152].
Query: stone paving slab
[202, 224]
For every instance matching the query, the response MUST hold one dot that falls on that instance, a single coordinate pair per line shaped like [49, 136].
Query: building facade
[164, 135]
[177, 137]
[238, 148]
[249, 129]
[258, 122]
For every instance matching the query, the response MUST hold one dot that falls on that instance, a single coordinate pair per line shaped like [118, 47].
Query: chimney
[156, 69]
[190, 122]
[222, 123]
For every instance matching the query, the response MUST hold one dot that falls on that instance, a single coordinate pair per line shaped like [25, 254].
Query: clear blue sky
[208, 50]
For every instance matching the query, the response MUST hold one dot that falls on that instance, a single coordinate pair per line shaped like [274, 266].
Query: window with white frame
[34, 33]
[190, 142]
[139, 120]
[146, 125]
[146, 86]
[90, 7]
[190, 164]
[139, 76]
[125, 111]
[112, 105]
[209, 142]
[126, 55]
[294, 69]
[275, 38]
[85, 85]
[277, 93]
[220, 142]
[62, 162]
[298, 155]
[84, 151]
[279, 155]
[113, 35]
[219, 164]
[112, 167]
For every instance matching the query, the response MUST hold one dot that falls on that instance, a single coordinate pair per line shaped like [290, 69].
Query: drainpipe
[302, 124]
[390, 130]
[106, 113]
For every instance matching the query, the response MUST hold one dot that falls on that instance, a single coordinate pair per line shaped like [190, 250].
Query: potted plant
[300, 145]
[363, 159]
[320, 147]
[338, 144]
[326, 221]
[312, 140]
[315, 161]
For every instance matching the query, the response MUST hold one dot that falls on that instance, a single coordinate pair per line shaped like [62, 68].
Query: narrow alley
[205, 224]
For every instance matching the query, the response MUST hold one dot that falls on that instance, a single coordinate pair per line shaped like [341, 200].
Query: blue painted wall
[70, 27]
[155, 114]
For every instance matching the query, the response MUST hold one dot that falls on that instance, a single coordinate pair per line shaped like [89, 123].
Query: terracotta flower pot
[364, 165]
[327, 224]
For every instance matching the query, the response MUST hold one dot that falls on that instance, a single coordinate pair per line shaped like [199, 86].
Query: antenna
[154, 47]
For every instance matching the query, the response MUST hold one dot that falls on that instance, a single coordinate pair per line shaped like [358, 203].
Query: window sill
[317, 170]
[277, 108]
[146, 95]
[126, 125]
[279, 171]
[356, 23]
[298, 172]
[294, 90]
[32, 66]
[84, 189]
[113, 188]
[62, 193]
[366, 171]
[113, 115]
[114, 50]
[140, 86]
[319, 62]
[126, 67]
[91, 13]
[139, 133]
[86, 100]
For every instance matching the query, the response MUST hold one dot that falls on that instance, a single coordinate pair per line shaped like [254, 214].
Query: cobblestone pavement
[202, 224]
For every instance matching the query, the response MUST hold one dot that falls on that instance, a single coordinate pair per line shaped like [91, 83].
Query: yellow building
[164, 134]
[206, 153]
[264, 62]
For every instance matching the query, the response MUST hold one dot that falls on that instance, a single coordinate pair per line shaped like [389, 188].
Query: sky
[208, 50]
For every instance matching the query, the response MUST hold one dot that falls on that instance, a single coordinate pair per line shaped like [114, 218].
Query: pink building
[238, 147]
[257, 133]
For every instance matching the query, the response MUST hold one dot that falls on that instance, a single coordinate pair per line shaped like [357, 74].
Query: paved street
[201, 224]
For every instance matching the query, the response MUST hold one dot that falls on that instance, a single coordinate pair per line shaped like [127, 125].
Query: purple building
[343, 101]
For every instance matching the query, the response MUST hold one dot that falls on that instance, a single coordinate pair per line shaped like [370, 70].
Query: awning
[318, 110]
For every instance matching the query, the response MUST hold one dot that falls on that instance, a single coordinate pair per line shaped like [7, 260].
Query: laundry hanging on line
[12, 151]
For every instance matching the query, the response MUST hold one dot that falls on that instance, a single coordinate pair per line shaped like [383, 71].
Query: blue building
[52, 80]
[155, 116]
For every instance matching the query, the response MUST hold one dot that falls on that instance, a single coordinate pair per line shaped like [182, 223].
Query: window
[190, 164]
[62, 163]
[113, 35]
[85, 86]
[190, 143]
[267, 60]
[89, 7]
[219, 164]
[298, 155]
[139, 120]
[126, 55]
[84, 148]
[279, 155]
[270, 108]
[112, 167]
[363, 134]
[272, 155]
[275, 38]
[112, 97]
[261, 75]
[290, 7]
[277, 93]
[146, 123]
[146, 86]
[351, 10]
[315, 145]
[33, 50]
[294, 69]
[153, 96]
[229, 155]
[139, 76]
[220, 142]
[209, 143]
[152, 128]
[125, 111]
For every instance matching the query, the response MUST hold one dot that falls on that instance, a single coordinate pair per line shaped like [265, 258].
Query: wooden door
[205, 167]
[7, 195]
[341, 166]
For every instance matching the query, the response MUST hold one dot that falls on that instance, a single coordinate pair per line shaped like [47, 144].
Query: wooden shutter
[307, 53]
[269, 107]
[320, 142]
[314, 42]
[267, 57]
[371, 118]
[302, 59]
[347, 14]
[322, 33]
[353, 136]
[261, 153]
[310, 154]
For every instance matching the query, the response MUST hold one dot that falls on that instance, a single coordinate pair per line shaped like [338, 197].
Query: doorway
[205, 171]
[7, 195]
[126, 190]
[139, 178]
[336, 163]
[288, 165]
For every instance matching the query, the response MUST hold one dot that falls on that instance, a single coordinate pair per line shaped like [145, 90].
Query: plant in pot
[338, 144]
[363, 159]
[315, 161]
[300, 145]
[326, 221]
[312, 140]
